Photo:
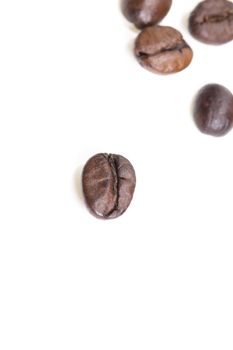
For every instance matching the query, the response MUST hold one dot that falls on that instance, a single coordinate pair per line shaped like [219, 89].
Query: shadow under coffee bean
[213, 110]
[162, 50]
[109, 182]
[212, 21]
[145, 13]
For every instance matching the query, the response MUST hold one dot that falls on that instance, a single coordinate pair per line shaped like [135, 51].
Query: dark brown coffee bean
[213, 111]
[108, 185]
[212, 21]
[162, 50]
[144, 13]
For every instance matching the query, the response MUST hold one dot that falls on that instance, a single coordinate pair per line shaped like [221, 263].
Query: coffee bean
[108, 185]
[162, 50]
[212, 21]
[213, 110]
[144, 13]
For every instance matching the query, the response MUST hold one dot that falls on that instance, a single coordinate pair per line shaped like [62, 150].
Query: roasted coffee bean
[213, 110]
[212, 21]
[162, 50]
[145, 13]
[108, 185]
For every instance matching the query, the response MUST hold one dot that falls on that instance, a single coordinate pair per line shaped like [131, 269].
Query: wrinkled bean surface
[108, 185]
[212, 21]
[162, 49]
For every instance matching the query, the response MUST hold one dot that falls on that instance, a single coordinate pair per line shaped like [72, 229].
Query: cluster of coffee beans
[157, 48]
[109, 180]
[163, 50]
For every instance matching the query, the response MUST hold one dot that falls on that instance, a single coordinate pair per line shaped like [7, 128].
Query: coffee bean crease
[178, 47]
[217, 18]
[162, 50]
[108, 185]
[212, 21]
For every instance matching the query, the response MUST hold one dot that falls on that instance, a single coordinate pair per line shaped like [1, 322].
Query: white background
[159, 277]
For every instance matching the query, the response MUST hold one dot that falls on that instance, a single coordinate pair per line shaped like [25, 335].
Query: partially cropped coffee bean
[162, 49]
[212, 21]
[108, 185]
[213, 110]
[144, 13]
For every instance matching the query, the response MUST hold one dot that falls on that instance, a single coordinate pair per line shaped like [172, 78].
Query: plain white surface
[160, 277]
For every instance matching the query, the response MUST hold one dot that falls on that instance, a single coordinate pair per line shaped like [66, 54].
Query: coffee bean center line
[114, 168]
[217, 18]
[178, 47]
